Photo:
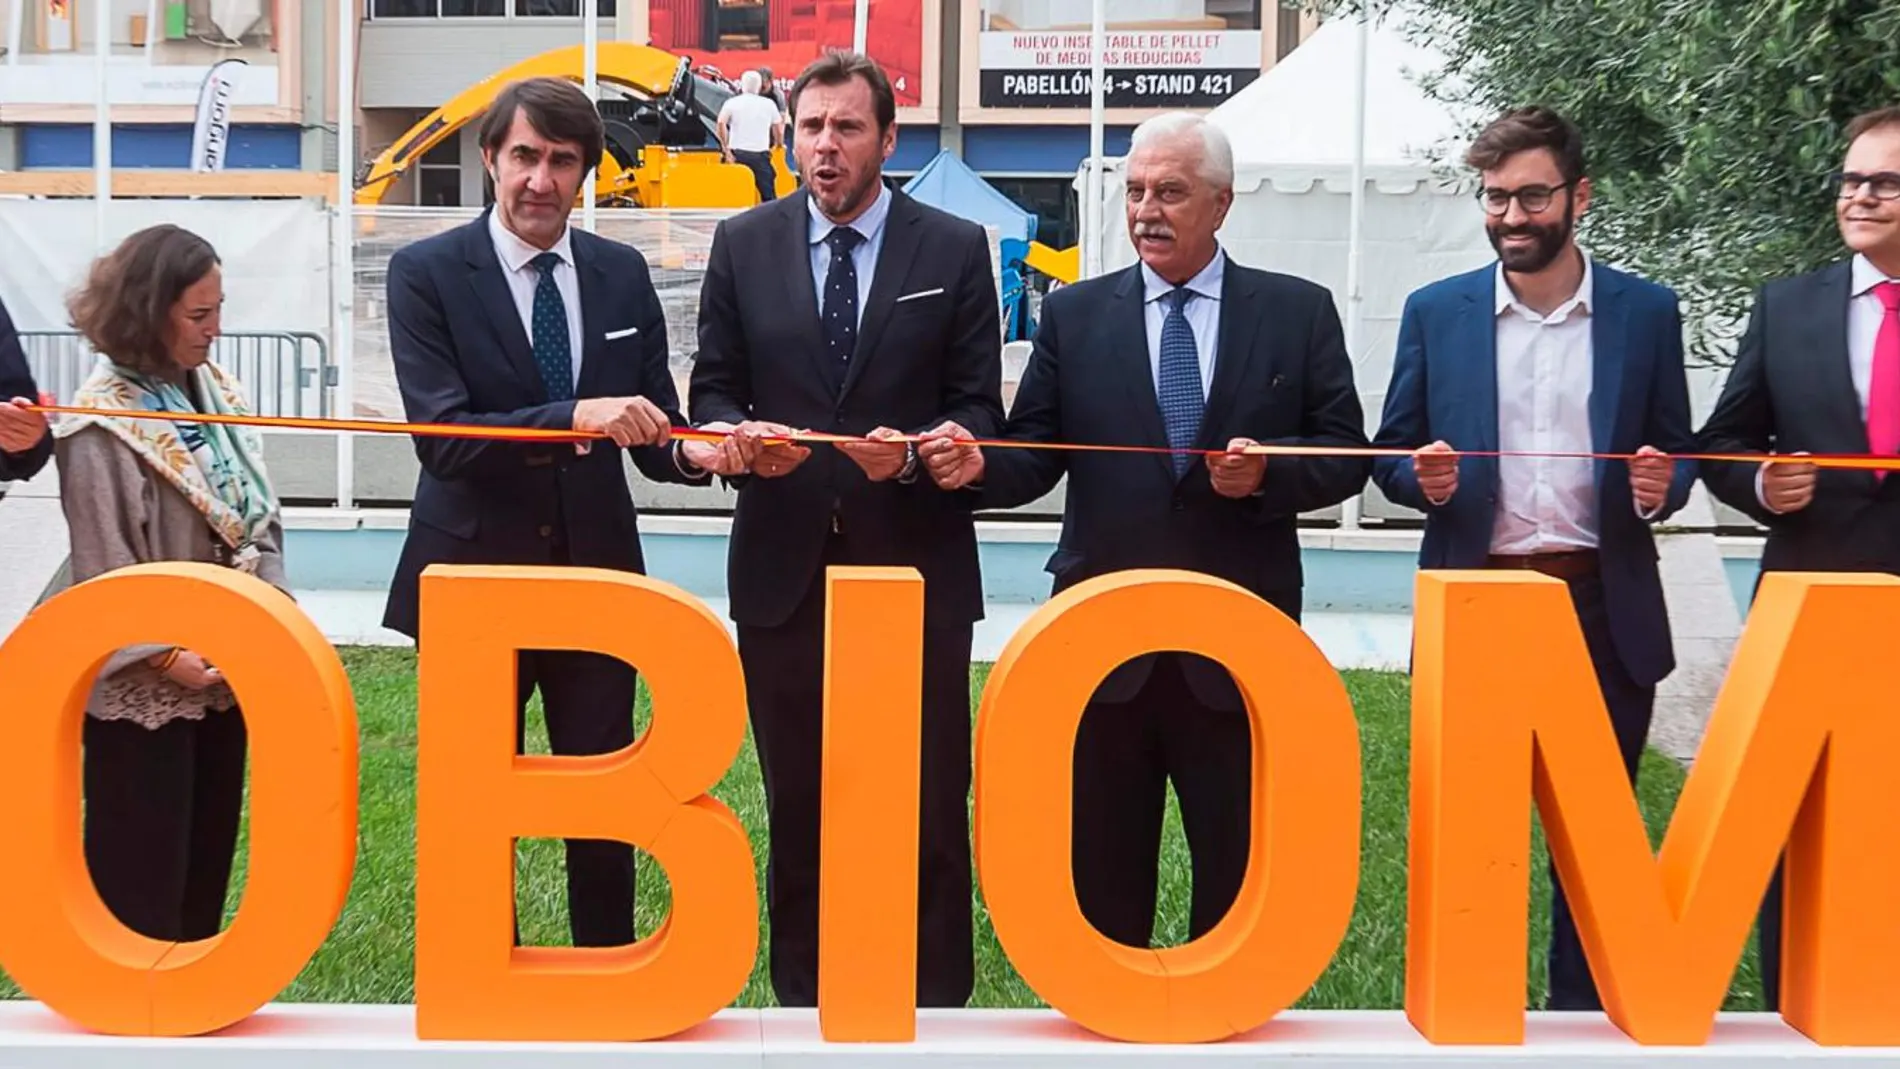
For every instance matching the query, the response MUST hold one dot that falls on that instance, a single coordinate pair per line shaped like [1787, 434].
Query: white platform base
[382, 1037]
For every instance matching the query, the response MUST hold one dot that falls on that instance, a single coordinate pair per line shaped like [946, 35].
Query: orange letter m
[1798, 753]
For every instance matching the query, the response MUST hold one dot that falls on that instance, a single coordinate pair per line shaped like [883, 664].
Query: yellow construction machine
[662, 142]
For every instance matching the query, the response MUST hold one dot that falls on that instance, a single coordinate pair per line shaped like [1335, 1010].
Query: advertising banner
[734, 36]
[1156, 54]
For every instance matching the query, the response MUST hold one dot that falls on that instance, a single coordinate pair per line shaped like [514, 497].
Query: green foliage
[1709, 125]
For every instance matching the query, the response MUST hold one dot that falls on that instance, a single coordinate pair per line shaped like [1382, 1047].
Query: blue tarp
[947, 183]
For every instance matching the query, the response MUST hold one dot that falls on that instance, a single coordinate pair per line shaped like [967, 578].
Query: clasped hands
[766, 449]
[1651, 470]
[954, 460]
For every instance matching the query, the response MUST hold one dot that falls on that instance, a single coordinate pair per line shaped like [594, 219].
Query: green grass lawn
[369, 956]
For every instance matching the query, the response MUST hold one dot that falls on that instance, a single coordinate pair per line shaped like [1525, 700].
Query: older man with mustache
[1191, 351]
[1547, 351]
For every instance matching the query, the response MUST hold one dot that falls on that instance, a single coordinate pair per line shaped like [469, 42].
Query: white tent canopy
[1300, 113]
[1292, 134]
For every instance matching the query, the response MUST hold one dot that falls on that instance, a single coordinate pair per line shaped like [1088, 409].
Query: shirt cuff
[684, 466]
[1760, 495]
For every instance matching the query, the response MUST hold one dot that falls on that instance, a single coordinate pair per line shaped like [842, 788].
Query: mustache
[1154, 230]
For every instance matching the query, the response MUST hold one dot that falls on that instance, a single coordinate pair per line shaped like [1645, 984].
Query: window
[487, 9]
[439, 175]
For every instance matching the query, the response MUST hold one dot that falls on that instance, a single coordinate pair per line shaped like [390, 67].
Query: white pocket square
[612, 334]
[921, 293]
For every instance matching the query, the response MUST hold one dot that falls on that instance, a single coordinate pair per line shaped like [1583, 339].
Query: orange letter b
[475, 796]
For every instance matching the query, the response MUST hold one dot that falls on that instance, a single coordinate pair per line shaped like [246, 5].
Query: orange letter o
[1280, 934]
[57, 938]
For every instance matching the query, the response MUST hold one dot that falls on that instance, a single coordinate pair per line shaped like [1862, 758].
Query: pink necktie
[1883, 393]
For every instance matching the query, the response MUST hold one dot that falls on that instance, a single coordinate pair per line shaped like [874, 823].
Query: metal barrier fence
[283, 373]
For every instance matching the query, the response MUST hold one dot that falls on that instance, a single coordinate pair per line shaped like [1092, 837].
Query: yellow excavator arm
[698, 177]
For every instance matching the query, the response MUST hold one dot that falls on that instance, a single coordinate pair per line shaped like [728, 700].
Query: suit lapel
[1609, 352]
[1833, 375]
[1126, 331]
[794, 251]
[1477, 327]
[1239, 323]
[898, 251]
[593, 287]
[497, 302]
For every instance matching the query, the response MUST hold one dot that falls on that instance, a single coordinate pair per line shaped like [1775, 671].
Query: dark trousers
[1630, 707]
[161, 820]
[1125, 754]
[761, 164]
[784, 676]
[587, 700]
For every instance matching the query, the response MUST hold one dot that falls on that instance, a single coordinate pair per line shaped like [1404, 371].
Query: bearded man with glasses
[1548, 352]
[1818, 371]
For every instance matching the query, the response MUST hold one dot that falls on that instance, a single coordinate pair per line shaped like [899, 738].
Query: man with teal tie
[518, 320]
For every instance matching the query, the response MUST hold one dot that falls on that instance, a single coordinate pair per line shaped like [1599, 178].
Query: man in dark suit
[849, 308]
[24, 441]
[1189, 350]
[518, 320]
[1546, 351]
[1818, 371]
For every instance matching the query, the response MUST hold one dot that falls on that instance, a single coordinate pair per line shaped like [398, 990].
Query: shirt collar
[868, 225]
[1866, 275]
[515, 253]
[1583, 300]
[1205, 284]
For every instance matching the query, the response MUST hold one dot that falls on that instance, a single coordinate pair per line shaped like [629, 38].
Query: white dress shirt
[1202, 311]
[870, 227]
[1545, 504]
[1864, 315]
[515, 255]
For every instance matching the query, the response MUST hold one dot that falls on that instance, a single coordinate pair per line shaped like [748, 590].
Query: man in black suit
[1818, 371]
[518, 320]
[24, 441]
[849, 308]
[1188, 350]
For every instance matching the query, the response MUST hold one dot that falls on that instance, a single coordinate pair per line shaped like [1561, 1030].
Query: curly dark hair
[124, 309]
[1525, 130]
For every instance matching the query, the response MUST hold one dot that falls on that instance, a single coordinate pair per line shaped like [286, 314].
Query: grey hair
[1217, 153]
[752, 82]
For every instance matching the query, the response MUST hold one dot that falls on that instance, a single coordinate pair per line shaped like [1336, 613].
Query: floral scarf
[218, 467]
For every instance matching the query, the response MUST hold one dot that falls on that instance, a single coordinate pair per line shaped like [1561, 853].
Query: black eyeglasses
[1882, 185]
[1533, 198]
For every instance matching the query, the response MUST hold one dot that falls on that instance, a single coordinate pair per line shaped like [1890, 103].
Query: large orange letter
[475, 797]
[1505, 705]
[1303, 865]
[867, 876]
[57, 939]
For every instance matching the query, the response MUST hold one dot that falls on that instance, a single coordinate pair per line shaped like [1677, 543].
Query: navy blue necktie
[840, 304]
[1180, 379]
[553, 350]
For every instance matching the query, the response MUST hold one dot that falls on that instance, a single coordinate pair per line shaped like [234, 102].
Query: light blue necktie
[1180, 385]
[553, 351]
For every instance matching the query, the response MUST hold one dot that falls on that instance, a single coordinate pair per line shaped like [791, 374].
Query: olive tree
[1710, 126]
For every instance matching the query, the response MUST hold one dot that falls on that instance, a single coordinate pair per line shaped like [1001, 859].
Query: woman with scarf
[164, 740]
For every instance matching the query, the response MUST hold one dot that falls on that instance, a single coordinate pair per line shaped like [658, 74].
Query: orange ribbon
[1850, 461]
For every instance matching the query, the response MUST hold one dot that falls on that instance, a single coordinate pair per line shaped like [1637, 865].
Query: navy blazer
[462, 356]
[1444, 386]
[1281, 376]
[16, 380]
